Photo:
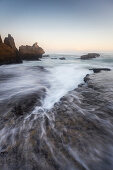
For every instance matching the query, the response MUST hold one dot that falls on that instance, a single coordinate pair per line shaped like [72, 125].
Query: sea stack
[8, 51]
[31, 52]
[89, 56]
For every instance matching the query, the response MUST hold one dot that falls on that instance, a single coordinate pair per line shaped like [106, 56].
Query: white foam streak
[62, 80]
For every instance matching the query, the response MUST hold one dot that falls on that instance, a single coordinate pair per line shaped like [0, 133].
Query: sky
[59, 25]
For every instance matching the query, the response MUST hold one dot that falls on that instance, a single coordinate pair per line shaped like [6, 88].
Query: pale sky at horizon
[62, 25]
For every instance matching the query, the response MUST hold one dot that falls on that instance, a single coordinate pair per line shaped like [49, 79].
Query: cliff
[31, 52]
[8, 52]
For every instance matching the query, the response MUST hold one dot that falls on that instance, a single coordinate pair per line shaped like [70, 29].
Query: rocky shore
[76, 134]
[9, 54]
[84, 121]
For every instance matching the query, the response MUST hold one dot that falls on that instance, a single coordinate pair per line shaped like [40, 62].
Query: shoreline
[84, 120]
[76, 133]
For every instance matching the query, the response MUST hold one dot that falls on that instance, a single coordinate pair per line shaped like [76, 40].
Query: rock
[90, 56]
[8, 52]
[31, 52]
[62, 58]
[26, 103]
[46, 56]
[54, 58]
[10, 41]
[86, 78]
[0, 39]
[97, 70]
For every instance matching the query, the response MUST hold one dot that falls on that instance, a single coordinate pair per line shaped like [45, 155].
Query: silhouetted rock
[8, 52]
[31, 52]
[97, 70]
[90, 56]
[0, 39]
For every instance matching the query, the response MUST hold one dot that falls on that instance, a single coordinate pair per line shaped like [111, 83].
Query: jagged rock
[8, 52]
[0, 39]
[10, 41]
[90, 56]
[31, 52]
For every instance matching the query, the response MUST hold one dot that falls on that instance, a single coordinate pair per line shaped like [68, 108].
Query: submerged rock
[31, 52]
[8, 52]
[90, 56]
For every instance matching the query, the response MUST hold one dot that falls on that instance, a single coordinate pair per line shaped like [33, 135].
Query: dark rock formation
[31, 52]
[62, 58]
[97, 70]
[8, 52]
[90, 56]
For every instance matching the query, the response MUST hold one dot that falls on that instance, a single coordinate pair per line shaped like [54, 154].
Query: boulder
[8, 52]
[90, 56]
[31, 52]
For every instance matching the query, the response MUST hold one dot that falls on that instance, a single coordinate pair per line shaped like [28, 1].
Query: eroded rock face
[90, 56]
[31, 52]
[8, 52]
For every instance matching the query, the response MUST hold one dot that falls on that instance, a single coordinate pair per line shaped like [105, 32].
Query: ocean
[30, 94]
